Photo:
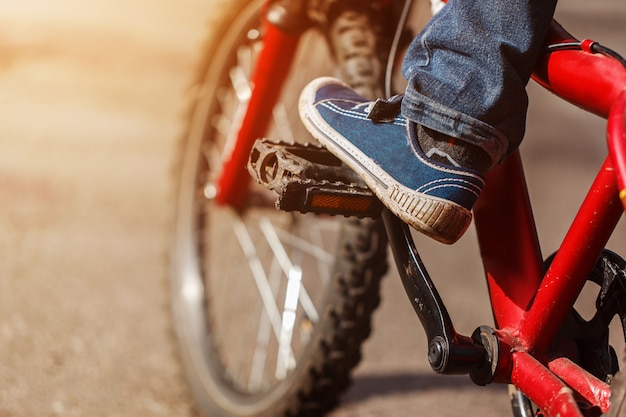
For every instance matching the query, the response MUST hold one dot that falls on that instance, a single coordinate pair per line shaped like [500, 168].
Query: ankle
[450, 151]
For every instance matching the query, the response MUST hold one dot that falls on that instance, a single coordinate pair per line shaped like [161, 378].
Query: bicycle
[323, 253]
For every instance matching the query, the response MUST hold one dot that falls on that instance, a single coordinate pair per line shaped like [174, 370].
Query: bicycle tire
[212, 345]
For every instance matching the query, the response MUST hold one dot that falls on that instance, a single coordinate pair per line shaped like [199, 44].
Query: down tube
[272, 68]
[568, 272]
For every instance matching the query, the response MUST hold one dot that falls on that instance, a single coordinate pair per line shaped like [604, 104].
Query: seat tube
[508, 242]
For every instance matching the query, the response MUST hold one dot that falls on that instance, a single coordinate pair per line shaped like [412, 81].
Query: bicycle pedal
[309, 179]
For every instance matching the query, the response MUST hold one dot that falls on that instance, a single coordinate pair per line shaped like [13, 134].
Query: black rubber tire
[205, 247]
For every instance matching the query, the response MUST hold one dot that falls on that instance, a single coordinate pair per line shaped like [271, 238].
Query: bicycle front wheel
[270, 308]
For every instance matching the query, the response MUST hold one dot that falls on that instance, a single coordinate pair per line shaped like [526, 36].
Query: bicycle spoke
[221, 124]
[263, 336]
[256, 267]
[240, 83]
[285, 360]
[259, 357]
[317, 250]
[245, 56]
[284, 261]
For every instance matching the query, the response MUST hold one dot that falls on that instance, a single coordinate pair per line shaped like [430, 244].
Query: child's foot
[433, 193]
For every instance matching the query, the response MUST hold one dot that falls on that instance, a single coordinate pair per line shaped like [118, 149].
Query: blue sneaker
[433, 197]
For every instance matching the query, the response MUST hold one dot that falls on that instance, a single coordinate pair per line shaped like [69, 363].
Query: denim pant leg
[468, 70]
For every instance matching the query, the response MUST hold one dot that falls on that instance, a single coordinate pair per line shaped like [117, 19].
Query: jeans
[467, 71]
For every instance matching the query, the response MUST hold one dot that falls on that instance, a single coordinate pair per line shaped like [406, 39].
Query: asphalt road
[91, 97]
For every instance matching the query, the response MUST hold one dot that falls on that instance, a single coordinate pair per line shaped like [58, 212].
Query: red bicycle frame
[529, 302]
[273, 65]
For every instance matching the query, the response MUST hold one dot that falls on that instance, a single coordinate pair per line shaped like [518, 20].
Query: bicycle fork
[268, 78]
